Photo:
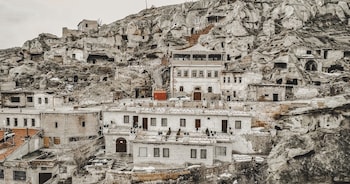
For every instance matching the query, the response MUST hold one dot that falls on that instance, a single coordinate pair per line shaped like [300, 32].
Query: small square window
[153, 122]
[238, 125]
[25, 122]
[201, 74]
[186, 73]
[7, 121]
[216, 74]
[209, 74]
[19, 175]
[33, 122]
[194, 73]
[179, 73]
[15, 99]
[142, 151]
[182, 122]
[39, 100]
[193, 153]
[156, 152]
[203, 153]
[29, 99]
[166, 152]
[15, 122]
[164, 122]
[83, 124]
[46, 100]
[126, 119]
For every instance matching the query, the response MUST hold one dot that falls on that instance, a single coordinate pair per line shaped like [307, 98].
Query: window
[25, 122]
[126, 119]
[201, 73]
[235, 79]
[220, 151]
[186, 73]
[2, 174]
[142, 152]
[179, 73]
[238, 124]
[210, 89]
[193, 153]
[166, 152]
[33, 122]
[29, 99]
[83, 124]
[15, 121]
[203, 153]
[19, 175]
[308, 52]
[194, 73]
[228, 79]
[216, 74]
[224, 80]
[209, 74]
[7, 121]
[164, 122]
[15, 99]
[234, 94]
[181, 88]
[182, 122]
[240, 79]
[156, 152]
[46, 100]
[56, 125]
[86, 25]
[153, 122]
[39, 100]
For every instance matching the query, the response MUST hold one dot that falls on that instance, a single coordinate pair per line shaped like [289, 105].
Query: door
[135, 120]
[224, 126]
[44, 177]
[275, 97]
[197, 123]
[145, 123]
[197, 96]
[120, 145]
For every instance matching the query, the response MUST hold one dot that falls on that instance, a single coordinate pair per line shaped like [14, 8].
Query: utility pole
[146, 4]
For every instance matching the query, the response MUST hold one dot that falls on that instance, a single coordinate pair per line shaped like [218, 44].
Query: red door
[197, 96]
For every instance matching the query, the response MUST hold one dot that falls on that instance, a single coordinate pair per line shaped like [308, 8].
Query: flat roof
[6, 148]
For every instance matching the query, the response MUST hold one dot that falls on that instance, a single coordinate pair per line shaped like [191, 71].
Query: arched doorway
[121, 145]
[311, 66]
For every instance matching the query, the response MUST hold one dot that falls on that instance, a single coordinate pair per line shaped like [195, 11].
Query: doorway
[197, 123]
[120, 145]
[44, 177]
[135, 120]
[145, 123]
[197, 96]
[275, 97]
[224, 126]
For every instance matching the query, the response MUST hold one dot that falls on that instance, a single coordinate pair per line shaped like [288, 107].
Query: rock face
[318, 155]
[296, 42]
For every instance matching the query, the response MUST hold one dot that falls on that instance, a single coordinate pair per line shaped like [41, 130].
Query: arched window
[120, 145]
[181, 88]
[311, 66]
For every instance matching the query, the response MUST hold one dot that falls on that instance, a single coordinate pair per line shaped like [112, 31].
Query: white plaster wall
[20, 119]
[211, 121]
[43, 105]
[179, 154]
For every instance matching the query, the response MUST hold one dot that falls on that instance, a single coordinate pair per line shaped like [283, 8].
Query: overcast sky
[23, 20]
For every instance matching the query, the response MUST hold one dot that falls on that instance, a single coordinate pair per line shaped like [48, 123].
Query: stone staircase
[193, 39]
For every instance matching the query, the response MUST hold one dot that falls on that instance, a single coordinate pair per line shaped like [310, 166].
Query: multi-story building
[134, 130]
[196, 72]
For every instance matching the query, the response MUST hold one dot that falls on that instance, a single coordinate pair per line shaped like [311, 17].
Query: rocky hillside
[255, 35]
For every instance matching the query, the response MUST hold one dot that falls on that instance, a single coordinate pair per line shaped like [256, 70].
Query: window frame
[164, 122]
[203, 154]
[193, 153]
[182, 122]
[166, 152]
[153, 121]
[156, 152]
[238, 124]
[126, 119]
[19, 175]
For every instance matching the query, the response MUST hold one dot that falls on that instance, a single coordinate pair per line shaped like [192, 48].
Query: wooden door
[135, 120]
[197, 96]
[197, 123]
[224, 126]
[145, 123]
[120, 145]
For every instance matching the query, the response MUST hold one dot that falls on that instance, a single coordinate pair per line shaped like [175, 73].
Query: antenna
[146, 4]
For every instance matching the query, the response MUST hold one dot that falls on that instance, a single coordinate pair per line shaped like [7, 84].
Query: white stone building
[129, 129]
[196, 72]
